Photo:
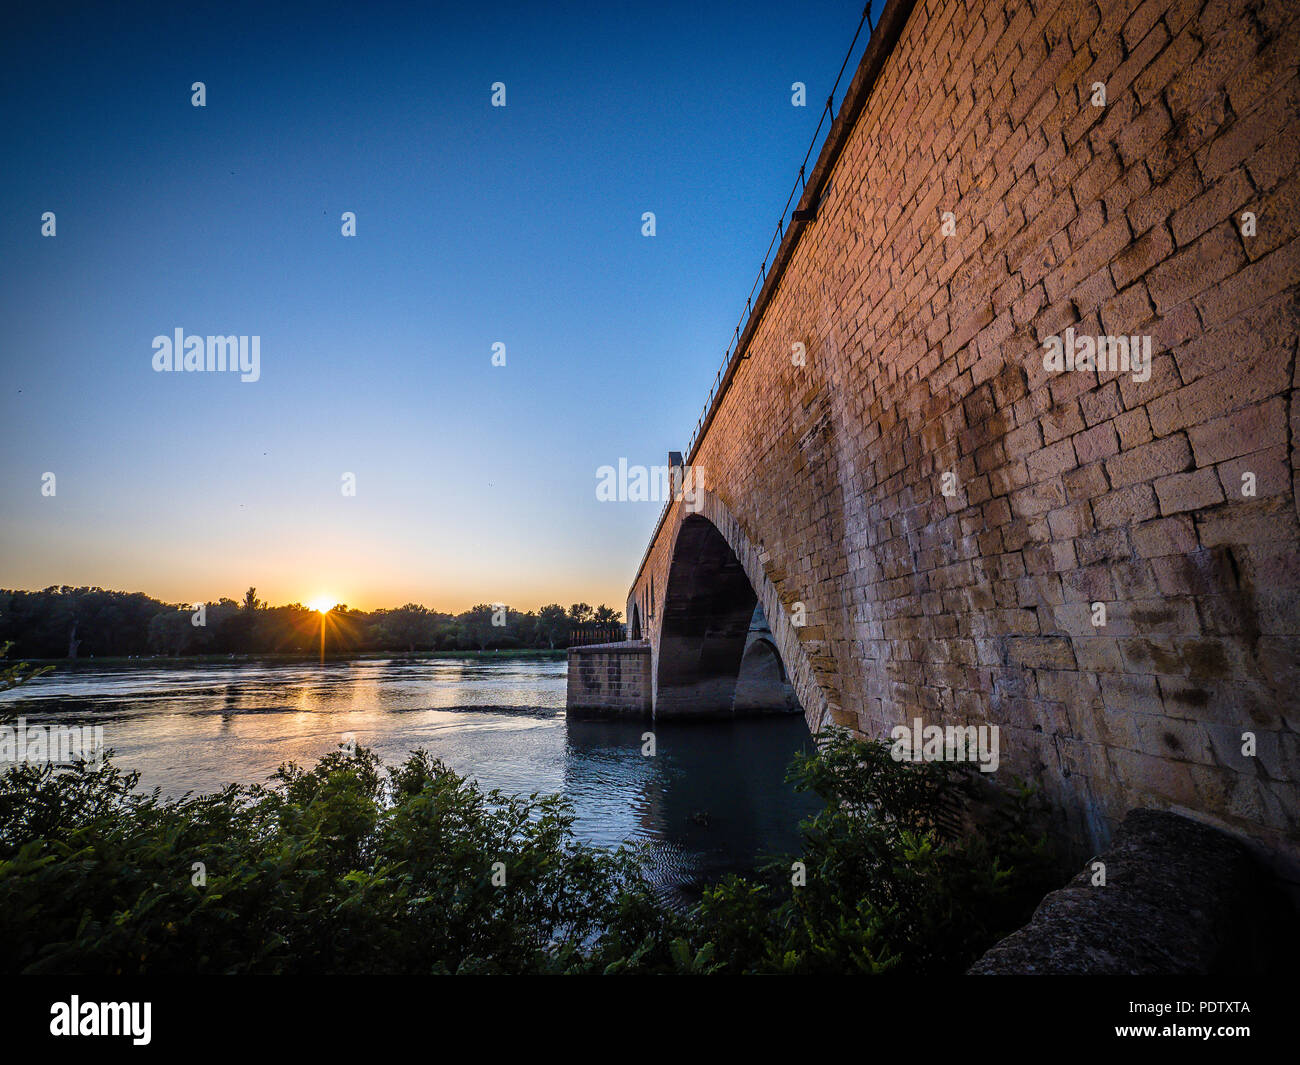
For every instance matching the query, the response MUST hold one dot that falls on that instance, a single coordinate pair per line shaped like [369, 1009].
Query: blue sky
[475, 225]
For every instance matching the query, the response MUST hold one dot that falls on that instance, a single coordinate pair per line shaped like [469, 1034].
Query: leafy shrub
[351, 867]
[342, 868]
[895, 881]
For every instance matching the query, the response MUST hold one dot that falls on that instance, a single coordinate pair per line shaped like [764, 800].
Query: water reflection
[710, 801]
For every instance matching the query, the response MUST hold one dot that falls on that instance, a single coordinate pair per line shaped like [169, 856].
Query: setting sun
[322, 604]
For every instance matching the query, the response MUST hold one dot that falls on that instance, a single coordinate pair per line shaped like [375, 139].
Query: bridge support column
[609, 678]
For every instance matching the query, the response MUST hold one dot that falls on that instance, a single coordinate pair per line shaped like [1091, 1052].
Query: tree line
[65, 622]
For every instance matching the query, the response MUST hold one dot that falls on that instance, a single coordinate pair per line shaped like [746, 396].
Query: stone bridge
[937, 522]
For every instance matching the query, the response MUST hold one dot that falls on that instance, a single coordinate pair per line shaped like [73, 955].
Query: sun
[322, 604]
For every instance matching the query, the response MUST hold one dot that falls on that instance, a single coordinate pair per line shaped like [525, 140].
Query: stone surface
[1179, 897]
[609, 678]
[967, 597]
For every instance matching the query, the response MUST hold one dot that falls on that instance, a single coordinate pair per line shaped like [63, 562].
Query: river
[712, 800]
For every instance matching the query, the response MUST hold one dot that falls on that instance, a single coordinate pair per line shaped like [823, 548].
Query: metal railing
[773, 245]
[589, 634]
[796, 191]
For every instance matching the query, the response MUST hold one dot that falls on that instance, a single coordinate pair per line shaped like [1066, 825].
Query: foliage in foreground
[351, 867]
[14, 675]
[897, 879]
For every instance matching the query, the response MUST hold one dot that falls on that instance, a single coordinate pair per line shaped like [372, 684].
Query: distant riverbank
[186, 661]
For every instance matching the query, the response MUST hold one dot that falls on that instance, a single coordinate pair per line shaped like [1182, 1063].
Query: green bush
[343, 868]
[894, 880]
[351, 867]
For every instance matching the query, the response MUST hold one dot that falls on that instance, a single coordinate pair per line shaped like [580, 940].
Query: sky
[475, 225]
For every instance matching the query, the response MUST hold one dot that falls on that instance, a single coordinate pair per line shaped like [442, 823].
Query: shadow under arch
[715, 579]
[762, 686]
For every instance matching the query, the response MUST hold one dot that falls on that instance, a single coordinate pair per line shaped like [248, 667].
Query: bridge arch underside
[715, 657]
[762, 686]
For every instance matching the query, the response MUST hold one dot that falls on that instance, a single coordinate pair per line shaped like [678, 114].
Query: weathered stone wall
[925, 356]
[609, 678]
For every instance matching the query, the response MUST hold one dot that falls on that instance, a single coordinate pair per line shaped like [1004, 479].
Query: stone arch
[716, 575]
[634, 623]
[756, 647]
[762, 686]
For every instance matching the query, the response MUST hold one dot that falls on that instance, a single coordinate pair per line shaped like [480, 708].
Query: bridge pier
[609, 678]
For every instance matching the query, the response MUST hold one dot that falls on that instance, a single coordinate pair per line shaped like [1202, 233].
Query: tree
[476, 626]
[607, 615]
[407, 627]
[552, 624]
[173, 632]
[67, 615]
[580, 613]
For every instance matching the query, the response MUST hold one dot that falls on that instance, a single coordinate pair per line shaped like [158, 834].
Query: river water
[712, 800]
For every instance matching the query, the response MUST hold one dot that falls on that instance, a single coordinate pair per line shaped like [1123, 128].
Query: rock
[1180, 897]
